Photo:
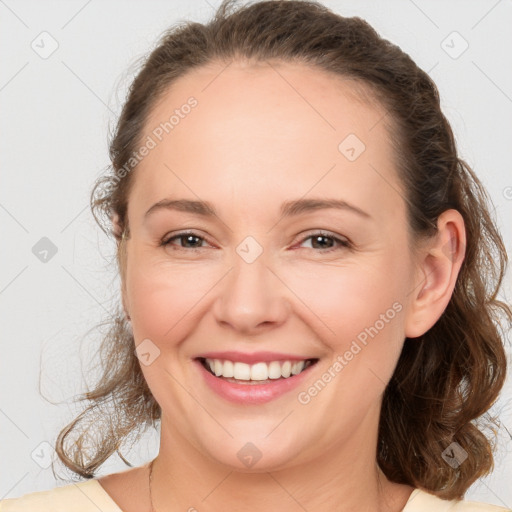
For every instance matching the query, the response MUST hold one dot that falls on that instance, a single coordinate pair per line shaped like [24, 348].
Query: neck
[346, 479]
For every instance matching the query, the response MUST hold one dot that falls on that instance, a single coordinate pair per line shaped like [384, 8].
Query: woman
[305, 265]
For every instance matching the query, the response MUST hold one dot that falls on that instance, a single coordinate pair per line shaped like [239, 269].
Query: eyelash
[343, 243]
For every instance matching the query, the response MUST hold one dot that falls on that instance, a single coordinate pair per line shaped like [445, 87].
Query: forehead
[272, 129]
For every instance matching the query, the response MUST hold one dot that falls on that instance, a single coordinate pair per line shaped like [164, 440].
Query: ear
[116, 226]
[437, 270]
[118, 232]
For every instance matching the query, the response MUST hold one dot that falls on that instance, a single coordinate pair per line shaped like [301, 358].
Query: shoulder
[87, 496]
[422, 501]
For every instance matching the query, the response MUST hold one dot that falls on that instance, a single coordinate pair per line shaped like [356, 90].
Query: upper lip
[254, 357]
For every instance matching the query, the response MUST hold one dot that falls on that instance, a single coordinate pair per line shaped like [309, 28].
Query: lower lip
[252, 393]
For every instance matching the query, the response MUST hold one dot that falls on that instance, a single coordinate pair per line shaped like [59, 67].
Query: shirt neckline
[117, 508]
[113, 506]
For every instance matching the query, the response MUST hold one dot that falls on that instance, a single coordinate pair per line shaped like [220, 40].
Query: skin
[271, 133]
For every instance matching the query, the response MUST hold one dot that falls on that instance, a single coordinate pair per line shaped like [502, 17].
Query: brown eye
[326, 242]
[188, 240]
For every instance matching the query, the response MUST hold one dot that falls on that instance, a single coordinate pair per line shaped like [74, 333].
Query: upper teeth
[258, 371]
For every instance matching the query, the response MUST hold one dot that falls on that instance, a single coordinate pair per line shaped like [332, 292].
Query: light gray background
[56, 113]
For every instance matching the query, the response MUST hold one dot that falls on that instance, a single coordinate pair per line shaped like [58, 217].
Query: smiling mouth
[237, 372]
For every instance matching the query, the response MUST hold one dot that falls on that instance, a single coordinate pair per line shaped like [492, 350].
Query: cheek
[358, 314]
[358, 303]
[163, 298]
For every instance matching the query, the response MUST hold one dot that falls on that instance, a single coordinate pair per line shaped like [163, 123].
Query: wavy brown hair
[446, 380]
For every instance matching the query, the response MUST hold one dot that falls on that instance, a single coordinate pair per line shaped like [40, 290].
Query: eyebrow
[288, 208]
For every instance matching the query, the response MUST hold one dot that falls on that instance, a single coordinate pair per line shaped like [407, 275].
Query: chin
[259, 456]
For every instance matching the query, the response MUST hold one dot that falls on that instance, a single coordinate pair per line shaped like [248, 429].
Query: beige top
[89, 496]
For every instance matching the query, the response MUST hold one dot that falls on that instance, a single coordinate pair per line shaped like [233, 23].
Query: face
[323, 283]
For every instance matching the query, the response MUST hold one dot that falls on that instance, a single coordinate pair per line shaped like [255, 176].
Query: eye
[326, 241]
[186, 237]
[191, 241]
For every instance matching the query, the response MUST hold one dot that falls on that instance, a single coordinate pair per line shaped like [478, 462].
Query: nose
[251, 298]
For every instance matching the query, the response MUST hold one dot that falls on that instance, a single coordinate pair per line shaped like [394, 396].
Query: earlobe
[116, 226]
[118, 233]
[436, 274]
[124, 303]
